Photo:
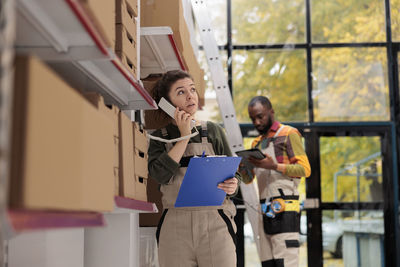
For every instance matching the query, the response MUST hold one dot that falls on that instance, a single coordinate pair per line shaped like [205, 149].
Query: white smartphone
[170, 109]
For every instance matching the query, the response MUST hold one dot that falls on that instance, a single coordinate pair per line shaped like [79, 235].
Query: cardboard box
[133, 5]
[140, 144]
[154, 196]
[112, 112]
[133, 162]
[170, 13]
[140, 138]
[129, 63]
[140, 188]
[62, 147]
[126, 163]
[202, 90]
[140, 160]
[126, 43]
[102, 14]
[154, 13]
[125, 15]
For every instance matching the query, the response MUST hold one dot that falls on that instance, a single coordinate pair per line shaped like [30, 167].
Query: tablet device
[253, 152]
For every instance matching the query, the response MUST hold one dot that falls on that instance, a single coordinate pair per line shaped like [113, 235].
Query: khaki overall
[195, 236]
[279, 244]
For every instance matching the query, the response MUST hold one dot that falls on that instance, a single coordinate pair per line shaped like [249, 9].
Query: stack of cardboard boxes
[116, 21]
[62, 147]
[130, 151]
[126, 34]
[140, 146]
[133, 159]
[112, 112]
[69, 153]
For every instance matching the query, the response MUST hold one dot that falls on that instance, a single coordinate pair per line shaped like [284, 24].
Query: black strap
[160, 225]
[281, 192]
[279, 263]
[284, 198]
[184, 162]
[293, 197]
[273, 263]
[268, 263]
[204, 132]
[228, 224]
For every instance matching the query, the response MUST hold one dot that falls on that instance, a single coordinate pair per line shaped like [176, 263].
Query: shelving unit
[61, 33]
[158, 51]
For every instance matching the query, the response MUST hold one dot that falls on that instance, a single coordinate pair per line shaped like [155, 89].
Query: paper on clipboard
[200, 184]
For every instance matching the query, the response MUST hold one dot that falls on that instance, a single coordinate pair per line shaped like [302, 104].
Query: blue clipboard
[200, 183]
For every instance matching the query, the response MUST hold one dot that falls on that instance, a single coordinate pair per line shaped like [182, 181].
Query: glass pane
[395, 16]
[348, 21]
[247, 142]
[278, 74]
[303, 255]
[210, 110]
[268, 21]
[250, 249]
[351, 169]
[350, 84]
[353, 238]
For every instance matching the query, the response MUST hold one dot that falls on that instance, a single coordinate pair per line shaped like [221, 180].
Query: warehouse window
[350, 84]
[268, 22]
[278, 74]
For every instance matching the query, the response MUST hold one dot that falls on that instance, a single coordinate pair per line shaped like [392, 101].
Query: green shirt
[162, 167]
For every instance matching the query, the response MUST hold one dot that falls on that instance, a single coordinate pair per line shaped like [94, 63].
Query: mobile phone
[170, 110]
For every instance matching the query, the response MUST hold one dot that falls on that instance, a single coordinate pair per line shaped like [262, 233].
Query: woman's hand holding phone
[183, 121]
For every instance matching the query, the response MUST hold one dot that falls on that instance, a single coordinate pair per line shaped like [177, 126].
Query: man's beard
[265, 129]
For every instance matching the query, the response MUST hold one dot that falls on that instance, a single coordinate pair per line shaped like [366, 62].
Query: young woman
[190, 236]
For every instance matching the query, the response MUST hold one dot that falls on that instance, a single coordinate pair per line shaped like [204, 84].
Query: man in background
[278, 176]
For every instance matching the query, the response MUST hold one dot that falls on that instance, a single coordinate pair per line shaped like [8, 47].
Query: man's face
[262, 117]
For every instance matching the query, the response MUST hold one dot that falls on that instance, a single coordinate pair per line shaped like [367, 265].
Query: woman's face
[183, 95]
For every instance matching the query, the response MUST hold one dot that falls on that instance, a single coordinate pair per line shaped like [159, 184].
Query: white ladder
[224, 98]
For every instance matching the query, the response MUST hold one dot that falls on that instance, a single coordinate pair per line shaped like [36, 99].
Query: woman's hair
[163, 85]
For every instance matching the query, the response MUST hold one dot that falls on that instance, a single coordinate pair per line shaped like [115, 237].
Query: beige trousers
[203, 238]
[281, 250]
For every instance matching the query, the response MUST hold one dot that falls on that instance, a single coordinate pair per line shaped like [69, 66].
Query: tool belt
[282, 214]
